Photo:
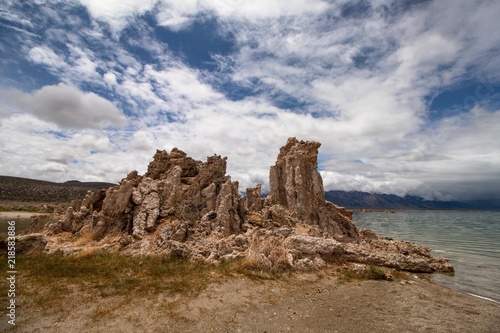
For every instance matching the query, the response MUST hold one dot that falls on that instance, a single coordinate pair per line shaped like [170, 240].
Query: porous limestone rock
[28, 244]
[296, 184]
[395, 254]
[227, 208]
[191, 209]
[254, 199]
[147, 200]
[314, 245]
[38, 223]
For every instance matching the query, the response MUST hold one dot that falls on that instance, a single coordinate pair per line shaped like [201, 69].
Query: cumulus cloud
[453, 159]
[45, 56]
[117, 13]
[357, 78]
[66, 106]
[177, 15]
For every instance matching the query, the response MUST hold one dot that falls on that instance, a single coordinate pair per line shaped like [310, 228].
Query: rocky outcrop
[27, 244]
[192, 209]
[395, 254]
[296, 184]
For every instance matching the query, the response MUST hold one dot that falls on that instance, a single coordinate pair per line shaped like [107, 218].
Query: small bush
[373, 272]
[268, 255]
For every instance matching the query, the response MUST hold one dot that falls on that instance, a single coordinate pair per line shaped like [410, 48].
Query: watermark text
[11, 272]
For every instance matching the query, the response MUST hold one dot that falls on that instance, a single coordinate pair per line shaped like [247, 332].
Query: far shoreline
[414, 210]
[19, 214]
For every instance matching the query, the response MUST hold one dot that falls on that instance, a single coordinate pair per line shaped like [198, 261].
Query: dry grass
[111, 274]
[52, 279]
[268, 255]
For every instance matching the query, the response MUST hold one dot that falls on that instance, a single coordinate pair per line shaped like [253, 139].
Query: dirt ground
[305, 302]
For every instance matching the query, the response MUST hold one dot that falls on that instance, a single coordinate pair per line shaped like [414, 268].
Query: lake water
[471, 239]
[22, 224]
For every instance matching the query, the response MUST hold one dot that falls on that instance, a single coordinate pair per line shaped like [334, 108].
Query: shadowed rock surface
[192, 209]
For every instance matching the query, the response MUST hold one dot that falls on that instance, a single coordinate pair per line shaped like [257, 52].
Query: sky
[403, 95]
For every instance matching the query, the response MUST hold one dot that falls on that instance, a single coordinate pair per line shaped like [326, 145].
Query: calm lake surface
[22, 224]
[471, 239]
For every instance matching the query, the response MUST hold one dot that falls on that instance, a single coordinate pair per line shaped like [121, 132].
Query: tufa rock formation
[192, 209]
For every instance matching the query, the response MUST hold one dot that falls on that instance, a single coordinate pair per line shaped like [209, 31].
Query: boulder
[395, 254]
[31, 243]
[313, 246]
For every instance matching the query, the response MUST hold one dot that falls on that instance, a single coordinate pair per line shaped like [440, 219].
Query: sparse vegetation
[51, 277]
[371, 272]
[15, 190]
[111, 274]
[266, 256]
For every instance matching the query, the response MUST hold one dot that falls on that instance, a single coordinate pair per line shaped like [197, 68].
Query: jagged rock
[67, 221]
[38, 223]
[88, 201]
[367, 233]
[32, 243]
[314, 245]
[254, 199]
[117, 206]
[279, 216]
[209, 195]
[192, 209]
[147, 208]
[296, 184]
[174, 230]
[396, 254]
[227, 208]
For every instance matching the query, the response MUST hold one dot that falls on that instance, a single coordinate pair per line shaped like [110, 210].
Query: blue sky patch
[198, 43]
[372, 81]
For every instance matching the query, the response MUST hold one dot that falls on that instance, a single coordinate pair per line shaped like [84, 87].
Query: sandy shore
[304, 303]
[13, 215]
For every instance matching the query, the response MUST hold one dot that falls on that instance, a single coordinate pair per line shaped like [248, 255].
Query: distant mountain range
[31, 190]
[357, 199]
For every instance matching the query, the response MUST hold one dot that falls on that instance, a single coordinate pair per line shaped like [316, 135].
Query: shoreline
[457, 235]
[305, 302]
[26, 215]
[18, 214]
[413, 210]
[479, 296]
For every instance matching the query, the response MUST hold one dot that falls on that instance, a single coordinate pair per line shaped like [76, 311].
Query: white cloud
[444, 162]
[178, 14]
[262, 9]
[82, 65]
[45, 56]
[363, 83]
[110, 78]
[66, 106]
[117, 13]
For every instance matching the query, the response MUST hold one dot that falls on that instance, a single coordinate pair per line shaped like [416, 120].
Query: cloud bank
[402, 95]
[66, 107]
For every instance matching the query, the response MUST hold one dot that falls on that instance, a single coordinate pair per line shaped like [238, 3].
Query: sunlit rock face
[192, 209]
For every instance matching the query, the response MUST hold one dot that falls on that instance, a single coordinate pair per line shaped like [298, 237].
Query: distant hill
[357, 199]
[31, 190]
